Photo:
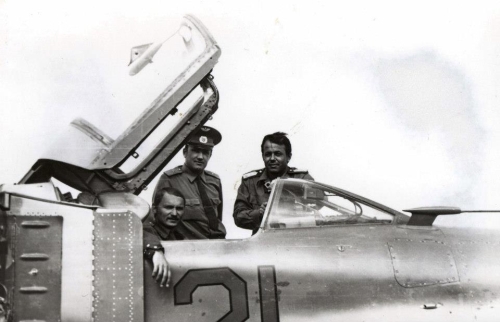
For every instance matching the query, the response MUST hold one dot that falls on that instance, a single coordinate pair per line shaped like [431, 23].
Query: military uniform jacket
[194, 223]
[253, 192]
[153, 234]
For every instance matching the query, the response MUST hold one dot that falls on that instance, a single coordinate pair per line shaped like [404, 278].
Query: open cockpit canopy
[87, 159]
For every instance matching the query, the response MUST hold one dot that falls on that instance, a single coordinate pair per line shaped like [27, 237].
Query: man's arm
[245, 215]
[151, 241]
[153, 250]
[219, 207]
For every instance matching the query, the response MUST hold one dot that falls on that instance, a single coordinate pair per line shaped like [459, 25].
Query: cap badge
[205, 129]
[203, 139]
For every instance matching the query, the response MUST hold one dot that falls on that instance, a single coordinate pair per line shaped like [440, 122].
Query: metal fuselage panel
[334, 273]
[327, 274]
[76, 273]
[99, 276]
[35, 271]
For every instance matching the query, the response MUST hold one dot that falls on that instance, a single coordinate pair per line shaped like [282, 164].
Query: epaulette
[174, 171]
[295, 170]
[213, 174]
[252, 173]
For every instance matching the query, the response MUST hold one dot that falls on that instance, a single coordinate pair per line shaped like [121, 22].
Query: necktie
[213, 222]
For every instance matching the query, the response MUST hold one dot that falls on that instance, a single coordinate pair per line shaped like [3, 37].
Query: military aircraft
[321, 254]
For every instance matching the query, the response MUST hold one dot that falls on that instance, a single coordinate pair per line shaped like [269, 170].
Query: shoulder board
[252, 173]
[213, 174]
[295, 170]
[174, 171]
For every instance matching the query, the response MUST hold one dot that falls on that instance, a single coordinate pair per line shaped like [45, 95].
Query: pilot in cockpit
[255, 187]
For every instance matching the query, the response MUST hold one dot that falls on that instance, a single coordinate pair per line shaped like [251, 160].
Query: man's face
[275, 158]
[169, 211]
[197, 157]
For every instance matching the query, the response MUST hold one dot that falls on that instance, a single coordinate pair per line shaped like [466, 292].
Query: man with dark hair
[279, 138]
[168, 208]
[202, 189]
[255, 187]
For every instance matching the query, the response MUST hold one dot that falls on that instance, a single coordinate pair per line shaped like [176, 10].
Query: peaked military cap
[205, 136]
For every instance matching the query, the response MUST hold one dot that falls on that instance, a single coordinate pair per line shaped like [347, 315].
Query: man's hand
[161, 269]
[262, 208]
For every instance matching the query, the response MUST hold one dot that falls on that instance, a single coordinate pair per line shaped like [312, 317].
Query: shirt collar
[164, 232]
[264, 177]
[192, 177]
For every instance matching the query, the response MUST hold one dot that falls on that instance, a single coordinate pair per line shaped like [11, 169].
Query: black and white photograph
[249, 161]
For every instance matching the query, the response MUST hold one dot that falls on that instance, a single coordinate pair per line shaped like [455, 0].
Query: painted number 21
[237, 288]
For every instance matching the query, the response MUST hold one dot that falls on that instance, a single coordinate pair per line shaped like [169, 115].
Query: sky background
[397, 102]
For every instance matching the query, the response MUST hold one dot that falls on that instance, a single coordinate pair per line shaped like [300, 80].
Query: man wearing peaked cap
[202, 189]
[255, 187]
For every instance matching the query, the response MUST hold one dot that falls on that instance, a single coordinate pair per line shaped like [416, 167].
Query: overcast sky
[398, 102]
